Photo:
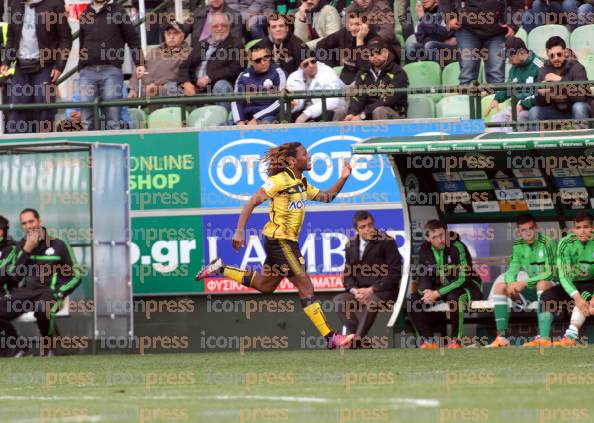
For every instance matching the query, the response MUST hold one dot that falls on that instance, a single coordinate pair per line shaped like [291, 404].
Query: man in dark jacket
[384, 75]
[482, 26]
[7, 258]
[444, 273]
[39, 40]
[288, 50]
[433, 40]
[104, 31]
[49, 273]
[373, 268]
[378, 15]
[215, 63]
[346, 48]
[259, 78]
[199, 23]
[569, 102]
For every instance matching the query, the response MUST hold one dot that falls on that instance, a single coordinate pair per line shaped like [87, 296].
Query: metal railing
[474, 91]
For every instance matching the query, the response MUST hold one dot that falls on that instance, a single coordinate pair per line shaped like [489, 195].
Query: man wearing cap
[313, 76]
[215, 63]
[383, 76]
[162, 65]
[525, 65]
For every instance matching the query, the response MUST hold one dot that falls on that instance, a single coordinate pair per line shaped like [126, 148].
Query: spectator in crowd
[568, 102]
[346, 47]
[402, 9]
[482, 27]
[254, 13]
[525, 66]
[377, 15]
[433, 40]
[34, 252]
[367, 290]
[287, 49]
[199, 22]
[104, 31]
[260, 77]
[585, 13]
[384, 75]
[39, 40]
[312, 76]
[316, 19]
[214, 63]
[547, 12]
[162, 66]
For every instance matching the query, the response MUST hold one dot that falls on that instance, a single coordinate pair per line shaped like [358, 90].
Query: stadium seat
[423, 74]
[338, 70]
[521, 34]
[582, 41]
[539, 36]
[207, 117]
[588, 63]
[420, 106]
[485, 101]
[451, 74]
[137, 118]
[453, 106]
[400, 39]
[166, 118]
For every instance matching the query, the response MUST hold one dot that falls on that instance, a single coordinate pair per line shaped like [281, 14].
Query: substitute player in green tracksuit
[534, 253]
[575, 264]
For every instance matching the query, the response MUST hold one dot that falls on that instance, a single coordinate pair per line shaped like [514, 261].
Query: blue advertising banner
[230, 168]
[322, 240]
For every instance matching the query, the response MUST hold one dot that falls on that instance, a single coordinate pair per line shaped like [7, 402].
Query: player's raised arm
[255, 200]
[328, 196]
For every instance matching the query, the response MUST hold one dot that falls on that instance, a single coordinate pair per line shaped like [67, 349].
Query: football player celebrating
[288, 190]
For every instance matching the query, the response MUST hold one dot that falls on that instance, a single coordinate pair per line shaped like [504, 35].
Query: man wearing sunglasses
[313, 76]
[261, 77]
[566, 102]
[382, 77]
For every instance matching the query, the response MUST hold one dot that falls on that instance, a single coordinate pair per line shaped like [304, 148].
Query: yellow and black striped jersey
[288, 196]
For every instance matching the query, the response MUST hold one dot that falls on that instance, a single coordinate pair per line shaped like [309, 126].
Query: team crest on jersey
[50, 251]
[296, 205]
[540, 254]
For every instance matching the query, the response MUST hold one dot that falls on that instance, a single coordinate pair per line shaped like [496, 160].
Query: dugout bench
[479, 185]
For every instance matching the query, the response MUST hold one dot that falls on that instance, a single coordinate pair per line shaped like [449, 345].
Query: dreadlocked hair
[276, 157]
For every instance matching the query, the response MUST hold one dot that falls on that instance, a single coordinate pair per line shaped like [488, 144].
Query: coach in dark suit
[373, 268]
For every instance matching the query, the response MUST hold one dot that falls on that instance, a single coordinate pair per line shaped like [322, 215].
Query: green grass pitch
[394, 385]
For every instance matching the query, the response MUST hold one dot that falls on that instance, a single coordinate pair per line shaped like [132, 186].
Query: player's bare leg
[313, 310]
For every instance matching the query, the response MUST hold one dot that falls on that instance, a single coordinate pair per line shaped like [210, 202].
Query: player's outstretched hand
[237, 240]
[346, 170]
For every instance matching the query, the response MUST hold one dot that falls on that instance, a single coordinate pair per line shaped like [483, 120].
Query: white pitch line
[271, 398]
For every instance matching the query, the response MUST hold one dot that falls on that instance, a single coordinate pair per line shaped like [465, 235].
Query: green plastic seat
[338, 70]
[137, 118]
[453, 106]
[423, 74]
[166, 118]
[582, 41]
[588, 63]
[207, 117]
[420, 106]
[522, 34]
[539, 36]
[451, 74]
